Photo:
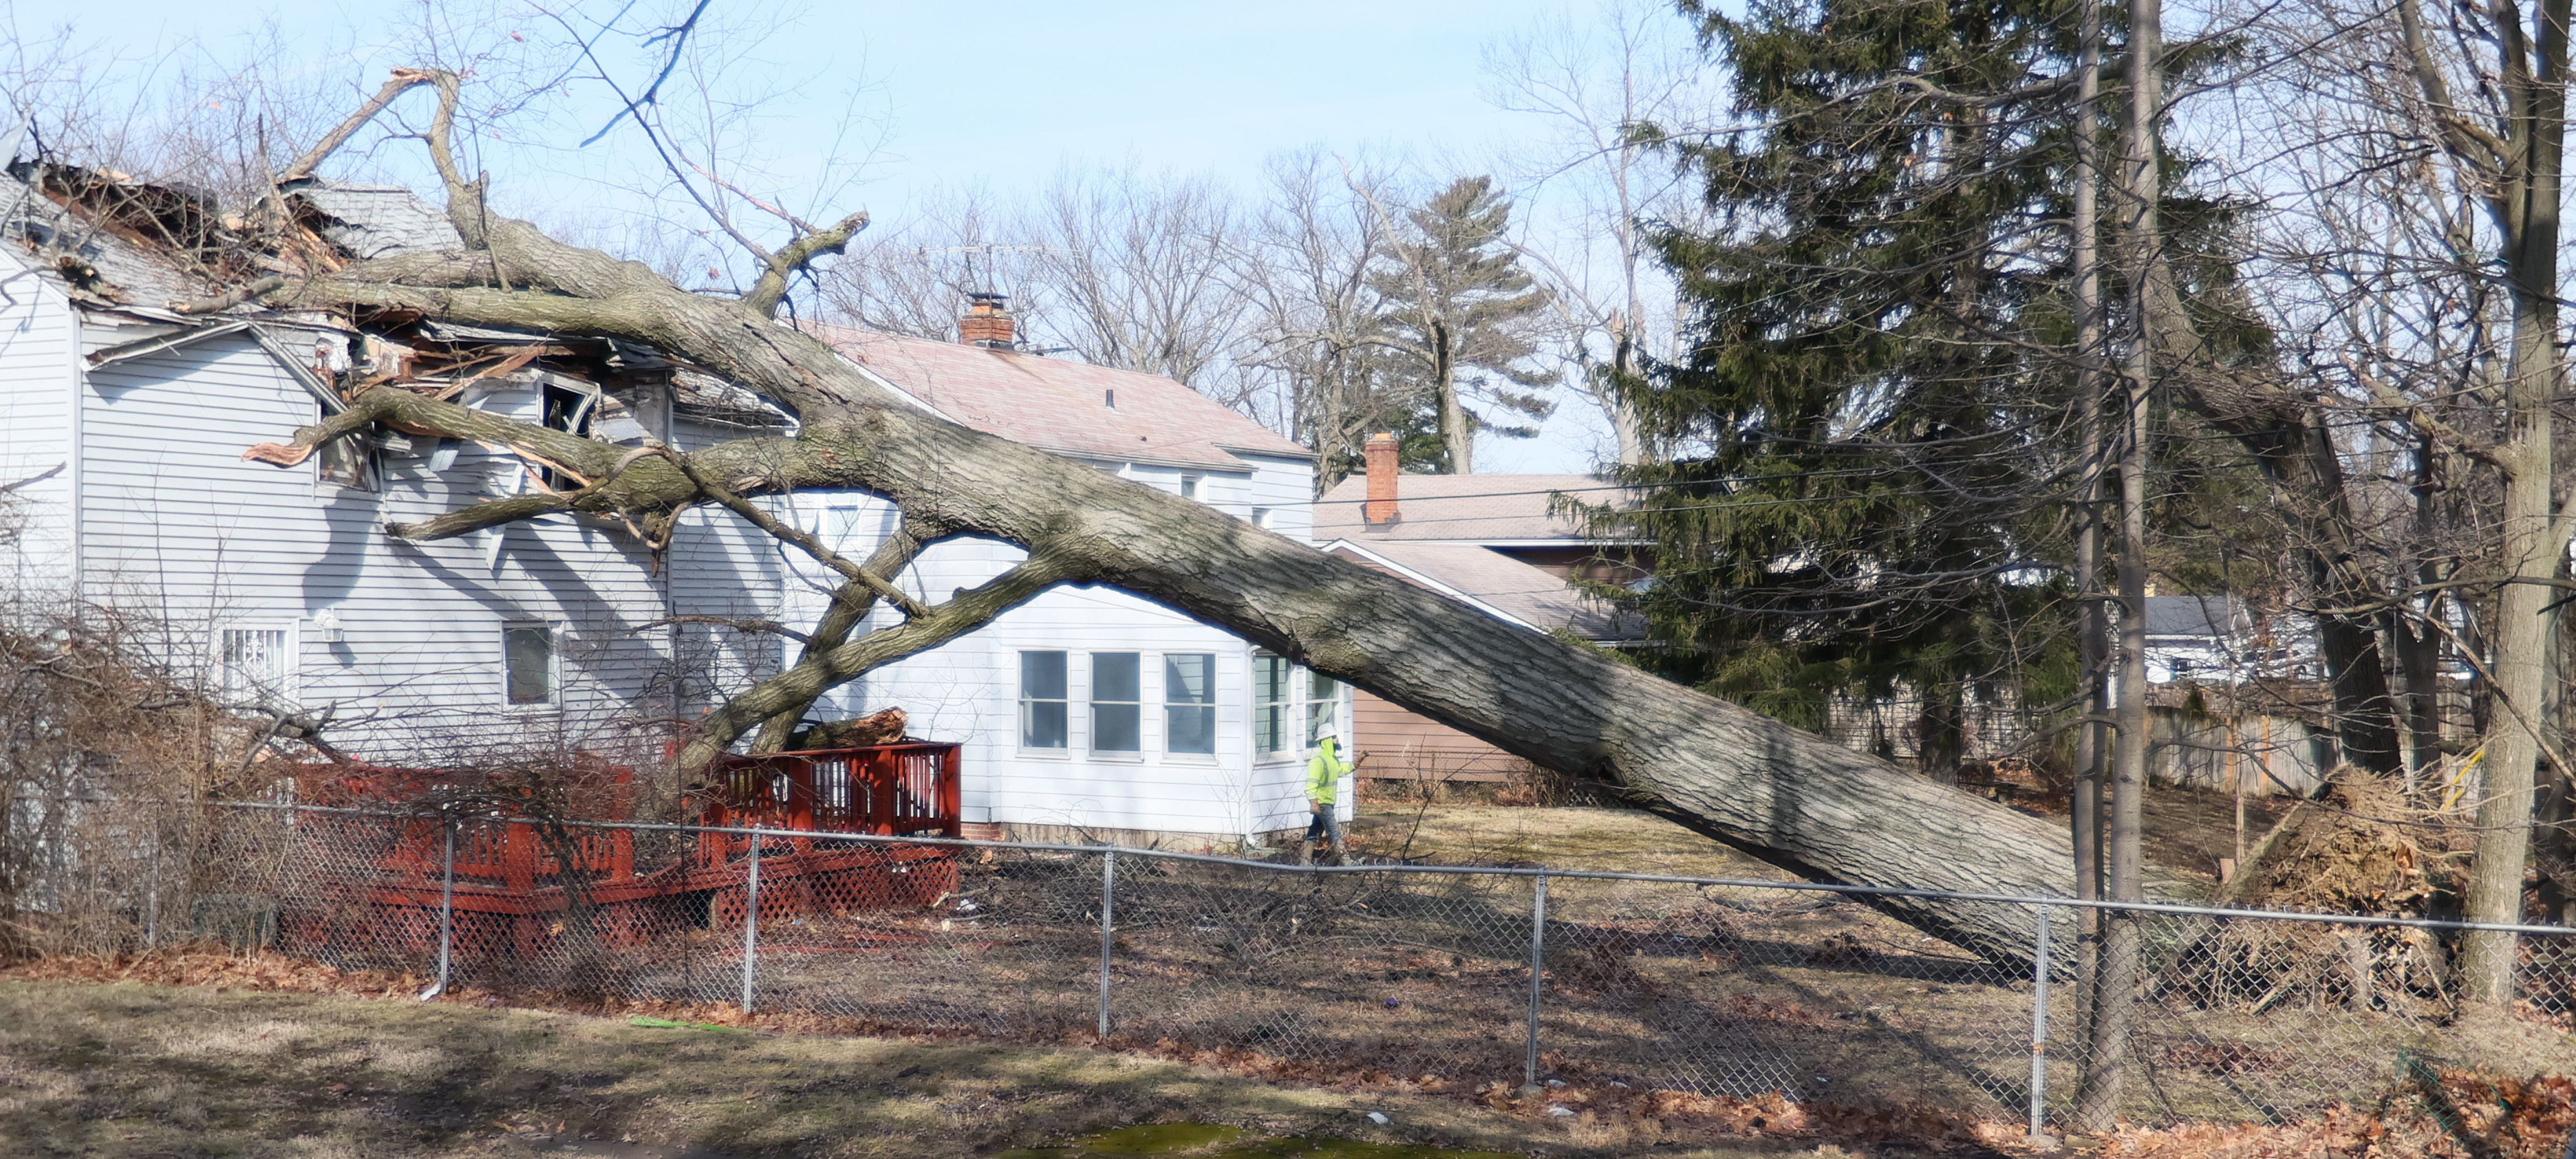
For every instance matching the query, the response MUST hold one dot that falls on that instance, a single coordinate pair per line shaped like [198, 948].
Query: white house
[123, 423]
[1089, 711]
[129, 390]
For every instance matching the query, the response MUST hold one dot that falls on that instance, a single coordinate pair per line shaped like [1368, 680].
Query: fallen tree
[1797, 800]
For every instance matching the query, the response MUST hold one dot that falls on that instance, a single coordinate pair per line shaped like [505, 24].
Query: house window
[255, 664]
[568, 411]
[348, 461]
[1042, 700]
[1323, 707]
[528, 663]
[840, 526]
[1117, 706]
[1189, 703]
[1190, 486]
[1271, 696]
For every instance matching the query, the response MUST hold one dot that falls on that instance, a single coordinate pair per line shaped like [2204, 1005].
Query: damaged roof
[1060, 405]
[371, 221]
[108, 243]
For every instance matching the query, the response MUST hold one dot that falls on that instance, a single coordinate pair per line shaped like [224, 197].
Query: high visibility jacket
[1323, 772]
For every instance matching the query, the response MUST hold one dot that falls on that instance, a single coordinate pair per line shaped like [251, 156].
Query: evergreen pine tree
[1460, 313]
[1871, 408]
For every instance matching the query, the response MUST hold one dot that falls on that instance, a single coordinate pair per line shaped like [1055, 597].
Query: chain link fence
[1456, 979]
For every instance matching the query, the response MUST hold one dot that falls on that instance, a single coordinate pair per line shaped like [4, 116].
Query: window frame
[1203, 709]
[288, 650]
[365, 469]
[1135, 708]
[554, 665]
[1307, 701]
[1265, 724]
[1063, 702]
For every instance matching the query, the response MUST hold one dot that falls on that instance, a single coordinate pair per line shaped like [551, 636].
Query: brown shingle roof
[1467, 508]
[1060, 405]
[1534, 596]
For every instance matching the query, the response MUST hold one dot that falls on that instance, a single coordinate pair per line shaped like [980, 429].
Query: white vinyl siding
[177, 528]
[37, 351]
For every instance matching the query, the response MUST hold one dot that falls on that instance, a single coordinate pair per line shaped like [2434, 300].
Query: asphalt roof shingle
[1535, 596]
[1061, 405]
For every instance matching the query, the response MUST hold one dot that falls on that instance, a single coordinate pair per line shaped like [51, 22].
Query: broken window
[1189, 703]
[348, 461]
[569, 411]
[528, 662]
[1042, 700]
[1117, 703]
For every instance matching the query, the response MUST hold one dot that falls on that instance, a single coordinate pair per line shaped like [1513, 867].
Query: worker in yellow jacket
[1323, 780]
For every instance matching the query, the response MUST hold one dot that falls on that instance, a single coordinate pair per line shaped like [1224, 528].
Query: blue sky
[1002, 94]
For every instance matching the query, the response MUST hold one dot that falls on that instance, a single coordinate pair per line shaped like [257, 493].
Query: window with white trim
[1042, 700]
[840, 526]
[1323, 707]
[1117, 702]
[1189, 703]
[255, 665]
[529, 669]
[1273, 697]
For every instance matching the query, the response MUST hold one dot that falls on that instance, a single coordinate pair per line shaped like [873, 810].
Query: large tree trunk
[1794, 799]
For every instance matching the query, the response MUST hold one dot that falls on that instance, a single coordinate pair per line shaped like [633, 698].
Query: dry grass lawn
[126, 1069]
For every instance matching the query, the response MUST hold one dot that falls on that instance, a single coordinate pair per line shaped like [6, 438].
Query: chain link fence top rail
[1448, 978]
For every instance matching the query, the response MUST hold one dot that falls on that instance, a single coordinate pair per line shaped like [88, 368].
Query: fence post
[152, 890]
[2039, 1028]
[1538, 967]
[1108, 910]
[750, 919]
[446, 909]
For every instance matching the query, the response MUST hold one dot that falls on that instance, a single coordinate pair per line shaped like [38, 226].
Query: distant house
[2215, 639]
[1089, 711]
[1492, 542]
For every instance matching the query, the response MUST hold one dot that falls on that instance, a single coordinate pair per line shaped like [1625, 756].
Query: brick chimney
[987, 322]
[1380, 509]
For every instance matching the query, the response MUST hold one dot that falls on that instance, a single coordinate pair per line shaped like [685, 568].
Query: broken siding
[178, 529]
[36, 347]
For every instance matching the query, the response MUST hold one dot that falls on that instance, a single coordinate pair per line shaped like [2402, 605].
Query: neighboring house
[1493, 542]
[1089, 711]
[2216, 639]
[123, 423]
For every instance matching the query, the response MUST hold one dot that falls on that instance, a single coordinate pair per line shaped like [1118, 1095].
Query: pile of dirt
[2361, 849]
